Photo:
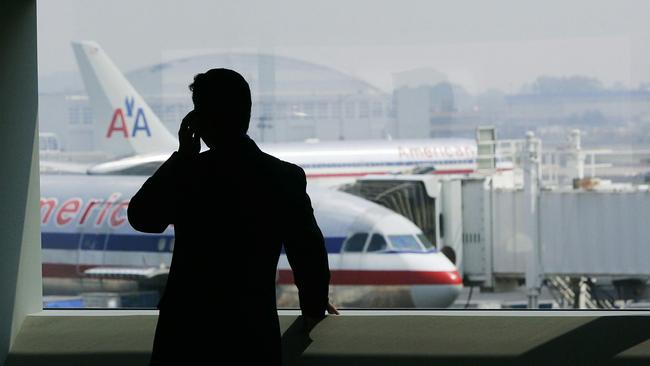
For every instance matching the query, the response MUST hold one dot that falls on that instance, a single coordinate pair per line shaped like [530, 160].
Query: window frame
[31, 70]
[21, 251]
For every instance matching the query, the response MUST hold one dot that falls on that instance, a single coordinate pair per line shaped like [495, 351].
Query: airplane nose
[434, 296]
[440, 294]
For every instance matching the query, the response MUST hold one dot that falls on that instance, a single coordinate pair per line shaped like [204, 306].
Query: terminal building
[293, 100]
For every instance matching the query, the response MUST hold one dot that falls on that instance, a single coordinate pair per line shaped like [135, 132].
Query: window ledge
[401, 337]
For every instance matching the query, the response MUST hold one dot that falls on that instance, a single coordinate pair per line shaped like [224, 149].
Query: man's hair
[226, 93]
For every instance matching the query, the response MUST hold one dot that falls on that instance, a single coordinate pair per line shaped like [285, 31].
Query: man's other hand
[188, 136]
[331, 309]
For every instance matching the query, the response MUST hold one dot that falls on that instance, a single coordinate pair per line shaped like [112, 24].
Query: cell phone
[192, 122]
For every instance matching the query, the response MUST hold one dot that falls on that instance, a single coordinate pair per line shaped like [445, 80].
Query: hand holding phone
[188, 136]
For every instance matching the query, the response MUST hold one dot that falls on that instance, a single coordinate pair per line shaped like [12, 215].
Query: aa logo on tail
[118, 122]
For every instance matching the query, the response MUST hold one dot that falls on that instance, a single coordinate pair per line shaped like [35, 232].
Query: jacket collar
[239, 144]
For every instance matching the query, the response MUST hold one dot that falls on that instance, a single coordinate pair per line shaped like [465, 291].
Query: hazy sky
[479, 44]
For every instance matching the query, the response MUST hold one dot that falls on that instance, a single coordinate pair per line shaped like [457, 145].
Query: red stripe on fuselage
[383, 278]
[342, 175]
[361, 174]
[338, 277]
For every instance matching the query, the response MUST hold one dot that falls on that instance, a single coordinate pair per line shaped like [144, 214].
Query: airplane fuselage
[88, 244]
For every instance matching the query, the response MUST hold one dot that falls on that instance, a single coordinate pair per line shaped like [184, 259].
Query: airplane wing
[130, 273]
[58, 167]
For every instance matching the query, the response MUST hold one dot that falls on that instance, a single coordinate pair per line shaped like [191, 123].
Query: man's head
[222, 101]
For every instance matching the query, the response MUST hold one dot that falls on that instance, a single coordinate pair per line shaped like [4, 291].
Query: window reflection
[404, 242]
[397, 94]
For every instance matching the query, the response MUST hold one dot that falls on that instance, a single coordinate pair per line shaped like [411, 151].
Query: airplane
[333, 163]
[419, 277]
[126, 119]
[376, 256]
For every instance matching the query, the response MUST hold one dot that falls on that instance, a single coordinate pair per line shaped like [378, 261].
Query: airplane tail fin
[121, 116]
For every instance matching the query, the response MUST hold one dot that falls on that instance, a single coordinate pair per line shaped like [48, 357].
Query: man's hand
[331, 309]
[188, 137]
[310, 322]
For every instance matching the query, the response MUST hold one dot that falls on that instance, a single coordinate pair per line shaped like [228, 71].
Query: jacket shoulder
[283, 167]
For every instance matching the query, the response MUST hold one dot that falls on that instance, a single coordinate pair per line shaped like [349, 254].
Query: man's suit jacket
[233, 208]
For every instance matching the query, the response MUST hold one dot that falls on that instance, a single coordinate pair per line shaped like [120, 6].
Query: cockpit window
[355, 243]
[425, 241]
[405, 242]
[377, 243]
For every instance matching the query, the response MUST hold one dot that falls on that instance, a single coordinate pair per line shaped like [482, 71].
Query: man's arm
[151, 210]
[305, 249]
[154, 207]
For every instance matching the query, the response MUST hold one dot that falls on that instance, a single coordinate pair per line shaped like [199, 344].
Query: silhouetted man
[232, 207]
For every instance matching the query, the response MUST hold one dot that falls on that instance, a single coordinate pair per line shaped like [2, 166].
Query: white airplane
[128, 119]
[374, 253]
[376, 257]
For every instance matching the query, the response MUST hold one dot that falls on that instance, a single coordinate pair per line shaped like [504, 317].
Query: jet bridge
[579, 234]
[413, 198]
[587, 240]
[433, 204]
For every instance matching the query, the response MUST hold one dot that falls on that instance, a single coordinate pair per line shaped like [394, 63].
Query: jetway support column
[531, 217]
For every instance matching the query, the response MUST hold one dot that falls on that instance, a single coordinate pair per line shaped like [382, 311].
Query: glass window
[425, 241]
[53, 144]
[364, 110]
[377, 110]
[405, 242]
[296, 112]
[350, 110]
[74, 115]
[355, 243]
[322, 109]
[377, 243]
[308, 109]
[410, 91]
[336, 110]
[280, 110]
